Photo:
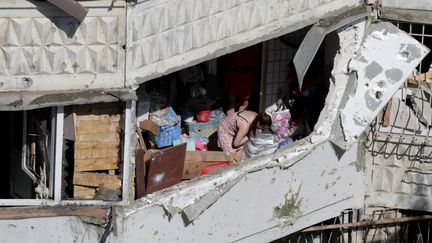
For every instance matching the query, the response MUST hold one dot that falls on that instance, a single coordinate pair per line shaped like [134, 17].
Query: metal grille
[278, 59]
[380, 225]
[399, 148]
[402, 119]
[278, 53]
[423, 34]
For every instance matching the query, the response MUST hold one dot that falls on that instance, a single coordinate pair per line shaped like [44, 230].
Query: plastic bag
[281, 117]
[264, 142]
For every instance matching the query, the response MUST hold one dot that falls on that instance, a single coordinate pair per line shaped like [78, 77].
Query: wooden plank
[97, 119]
[148, 125]
[97, 180]
[84, 192]
[94, 153]
[96, 164]
[97, 127]
[56, 211]
[209, 156]
[420, 78]
[192, 169]
[97, 145]
[98, 137]
[96, 122]
[106, 118]
[387, 113]
[195, 161]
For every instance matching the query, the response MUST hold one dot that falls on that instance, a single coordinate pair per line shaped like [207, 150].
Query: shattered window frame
[72, 7]
[56, 178]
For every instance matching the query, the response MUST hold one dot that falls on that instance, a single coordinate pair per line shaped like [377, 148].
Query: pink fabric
[227, 129]
[281, 124]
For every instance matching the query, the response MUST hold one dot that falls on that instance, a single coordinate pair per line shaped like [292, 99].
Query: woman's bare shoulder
[248, 115]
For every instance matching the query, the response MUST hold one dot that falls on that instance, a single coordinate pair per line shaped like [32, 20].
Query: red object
[210, 168]
[240, 76]
[200, 147]
[203, 116]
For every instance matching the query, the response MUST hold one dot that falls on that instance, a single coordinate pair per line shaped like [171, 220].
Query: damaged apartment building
[110, 109]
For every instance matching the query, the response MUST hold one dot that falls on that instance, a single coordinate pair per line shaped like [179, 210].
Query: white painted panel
[413, 4]
[58, 229]
[167, 35]
[42, 48]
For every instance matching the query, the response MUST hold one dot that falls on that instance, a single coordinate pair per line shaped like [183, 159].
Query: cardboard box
[150, 126]
[167, 135]
[162, 134]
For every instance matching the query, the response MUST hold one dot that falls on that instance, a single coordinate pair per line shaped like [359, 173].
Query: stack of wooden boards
[97, 150]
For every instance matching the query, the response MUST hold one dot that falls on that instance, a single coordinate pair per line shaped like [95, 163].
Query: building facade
[69, 74]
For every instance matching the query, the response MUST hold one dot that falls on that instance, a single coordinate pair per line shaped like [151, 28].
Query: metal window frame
[58, 166]
[315, 36]
[422, 35]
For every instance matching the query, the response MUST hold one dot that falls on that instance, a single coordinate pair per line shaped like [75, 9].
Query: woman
[233, 131]
[261, 138]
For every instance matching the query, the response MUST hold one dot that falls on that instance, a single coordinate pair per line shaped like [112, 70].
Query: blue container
[166, 136]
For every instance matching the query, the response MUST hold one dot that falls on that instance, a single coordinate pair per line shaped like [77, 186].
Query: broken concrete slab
[384, 61]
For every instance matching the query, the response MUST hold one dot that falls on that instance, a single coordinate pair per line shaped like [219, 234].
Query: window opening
[277, 58]
[189, 106]
[28, 154]
[62, 155]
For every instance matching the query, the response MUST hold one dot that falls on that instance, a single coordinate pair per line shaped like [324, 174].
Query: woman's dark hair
[263, 119]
